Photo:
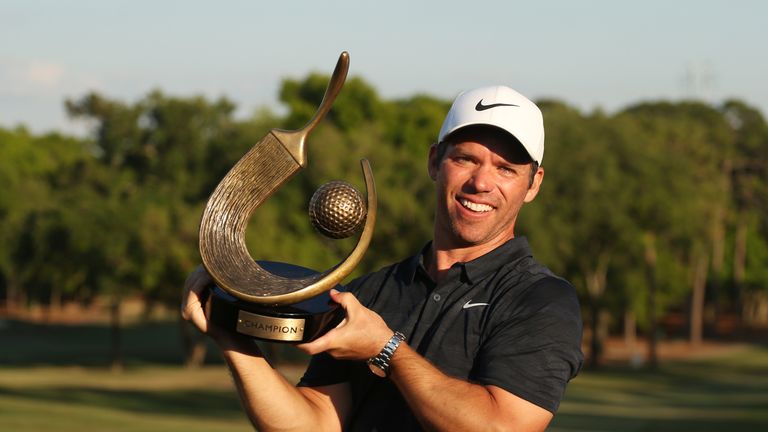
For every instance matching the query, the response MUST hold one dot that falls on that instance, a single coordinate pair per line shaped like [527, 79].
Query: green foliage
[748, 165]
[357, 104]
[118, 213]
[35, 232]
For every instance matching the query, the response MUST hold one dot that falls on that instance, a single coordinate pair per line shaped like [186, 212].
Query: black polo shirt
[502, 319]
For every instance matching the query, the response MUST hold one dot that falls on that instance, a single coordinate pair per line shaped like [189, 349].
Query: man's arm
[444, 403]
[438, 401]
[270, 401]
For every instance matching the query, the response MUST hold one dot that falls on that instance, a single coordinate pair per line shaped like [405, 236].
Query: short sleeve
[535, 348]
[325, 370]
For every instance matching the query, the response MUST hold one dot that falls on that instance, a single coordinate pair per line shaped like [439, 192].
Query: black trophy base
[294, 323]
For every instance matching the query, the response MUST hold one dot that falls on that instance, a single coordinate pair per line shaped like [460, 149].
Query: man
[469, 334]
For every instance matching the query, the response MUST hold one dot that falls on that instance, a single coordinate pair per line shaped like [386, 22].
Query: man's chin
[467, 238]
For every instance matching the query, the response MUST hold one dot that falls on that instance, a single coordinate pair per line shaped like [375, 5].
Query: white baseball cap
[502, 107]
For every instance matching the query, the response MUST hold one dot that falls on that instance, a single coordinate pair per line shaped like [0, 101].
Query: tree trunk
[697, 300]
[595, 342]
[596, 282]
[740, 269]
[740, 259]
[630, 330]
[196, 354]
[718, 243]
[718, 258]
[650, 273]
[193, 344]
[14, 298]
[116, 343]
[54, 303]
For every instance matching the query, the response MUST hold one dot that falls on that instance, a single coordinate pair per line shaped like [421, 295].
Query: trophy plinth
[295, 323]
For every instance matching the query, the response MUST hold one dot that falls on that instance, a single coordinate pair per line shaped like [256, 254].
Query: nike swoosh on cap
[481, 107]
[469, 304]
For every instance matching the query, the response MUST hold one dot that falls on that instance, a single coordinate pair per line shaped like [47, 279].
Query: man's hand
[360, 336]
[191, 301]
[192, 310]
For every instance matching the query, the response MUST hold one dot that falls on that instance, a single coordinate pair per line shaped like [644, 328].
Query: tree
[578, 223]
[157, 161]
[37, 261]
[747, 171]
[658, 207]
[678, 199]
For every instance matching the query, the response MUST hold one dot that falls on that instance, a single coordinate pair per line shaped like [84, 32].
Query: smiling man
[471, 333]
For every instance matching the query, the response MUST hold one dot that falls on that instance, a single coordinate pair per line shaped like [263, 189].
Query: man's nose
[481, 179]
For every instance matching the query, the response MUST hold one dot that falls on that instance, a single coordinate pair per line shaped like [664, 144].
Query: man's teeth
[475, 206]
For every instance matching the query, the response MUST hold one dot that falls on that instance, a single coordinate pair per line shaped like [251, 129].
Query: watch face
[377, 370]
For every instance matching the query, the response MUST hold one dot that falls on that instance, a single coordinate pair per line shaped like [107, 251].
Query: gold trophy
[279, 301]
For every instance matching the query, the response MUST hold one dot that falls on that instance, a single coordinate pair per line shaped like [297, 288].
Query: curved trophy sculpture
[258, 289]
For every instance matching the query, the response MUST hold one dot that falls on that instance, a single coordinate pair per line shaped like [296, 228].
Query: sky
[590, 54]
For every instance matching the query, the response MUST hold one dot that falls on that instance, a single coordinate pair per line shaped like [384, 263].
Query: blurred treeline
[659, 207]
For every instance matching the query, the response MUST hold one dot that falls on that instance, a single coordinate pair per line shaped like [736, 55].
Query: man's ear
[538, 177]
[432, 163]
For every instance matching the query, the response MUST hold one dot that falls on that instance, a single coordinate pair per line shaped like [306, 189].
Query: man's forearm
[270, 401]
[441, 402]
[438, 401]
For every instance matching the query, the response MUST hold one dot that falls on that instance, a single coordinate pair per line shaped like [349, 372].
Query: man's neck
[440, 258]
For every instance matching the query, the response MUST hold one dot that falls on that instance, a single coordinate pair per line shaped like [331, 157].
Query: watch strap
[380, 363]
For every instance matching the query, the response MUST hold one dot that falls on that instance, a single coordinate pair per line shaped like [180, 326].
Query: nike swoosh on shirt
[481, 107]
[469, 304]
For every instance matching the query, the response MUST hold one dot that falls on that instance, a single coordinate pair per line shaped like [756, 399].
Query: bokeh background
[117, 120]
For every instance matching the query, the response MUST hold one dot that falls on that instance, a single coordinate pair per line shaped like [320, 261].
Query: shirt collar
[475, 270]
[413, 264]
[512, 250]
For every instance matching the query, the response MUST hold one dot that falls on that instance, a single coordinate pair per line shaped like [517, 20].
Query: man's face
[481, 184]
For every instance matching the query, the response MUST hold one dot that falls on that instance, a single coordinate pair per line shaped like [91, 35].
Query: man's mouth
[475, 207]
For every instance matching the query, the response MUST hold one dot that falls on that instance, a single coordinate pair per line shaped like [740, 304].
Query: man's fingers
[192, 311]
[316, 346]
[197, 316]
[198, 280]
[345, 299]
[335, 295]
[191, 307]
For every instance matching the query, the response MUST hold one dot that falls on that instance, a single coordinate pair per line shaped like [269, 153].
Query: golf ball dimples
[337, 209]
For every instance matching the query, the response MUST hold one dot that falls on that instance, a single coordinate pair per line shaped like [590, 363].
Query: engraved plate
[265, 327]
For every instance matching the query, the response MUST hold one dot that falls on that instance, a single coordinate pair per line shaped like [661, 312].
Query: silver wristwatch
[379, 364]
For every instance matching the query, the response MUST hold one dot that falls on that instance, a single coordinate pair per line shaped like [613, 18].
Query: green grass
[724, 393]
[55, 378]
[144, 399]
